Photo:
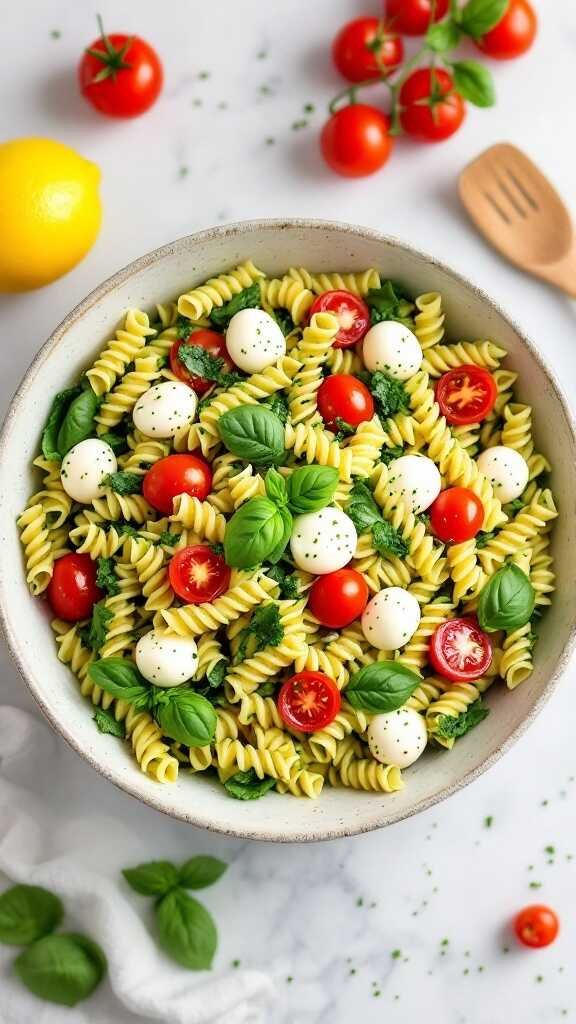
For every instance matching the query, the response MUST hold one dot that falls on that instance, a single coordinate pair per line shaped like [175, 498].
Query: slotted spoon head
[517, 209]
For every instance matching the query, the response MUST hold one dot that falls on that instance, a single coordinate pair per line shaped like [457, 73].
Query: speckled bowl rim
[381, 818]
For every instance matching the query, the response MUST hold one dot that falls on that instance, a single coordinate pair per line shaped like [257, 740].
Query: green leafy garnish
[107, 723]
[387, 455]
[253, 433]
[390, 395]
[217, 673]
[278, 403]
[106, 577]
[123, 482]
[258, 531]
[383, 686]
[201, 363]
[515, 506]
[449, 727]
[168, 539]
[343, 429]
[474, 82]
[94, 635]
[484, 538]
[366, 515]
[284, 576]
[186, 930]
[155, 878]
[387, 539]
[27, 913]
[247, 785]
[389, 302]
[78, 423]
[506, 601]
[117, 442]
[284, 321]
[54, 420]
[249, 298]
[217, 548]
[63, 969]
[264, 630]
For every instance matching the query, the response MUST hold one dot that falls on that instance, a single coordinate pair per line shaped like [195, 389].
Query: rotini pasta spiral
[132, 507]
[246, 591]
[122, 399]
[35, 538]
[311, 352]
[429, 320]
[287, 293]
[415, 654]
[120, 351]
[529, 522]
[200, 517]
[516, 661]
[320, 446]
[441, 358]
[200, 301]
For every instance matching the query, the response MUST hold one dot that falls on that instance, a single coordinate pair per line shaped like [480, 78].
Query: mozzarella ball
[393, 349]
[165, 408]
[397, 737]
[323, 541]
[166, 660]
[390, 619]
[506, 470]
[416, 479]
[84, 468]
[254, 340]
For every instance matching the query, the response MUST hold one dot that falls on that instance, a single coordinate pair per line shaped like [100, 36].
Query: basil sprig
[311, 488]
[28, 913]
[366, 515]
[382, 686]
[70, 420]
[507, 600]
[253, 433]
[61, 969]
[248, 298]
[390, 302]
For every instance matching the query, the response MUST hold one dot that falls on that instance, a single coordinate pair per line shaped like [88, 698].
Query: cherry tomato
[466, 394]
[309, 701]
[338, 598]
[536, 926]
[365, 49]
[72, 591]
[456, 515]
[197, 574]
[355, 141]
[351, 312]
[460, 651]
[176, 474]
[214, 343]
[430, 110]
[120, 75]
[413, 17]
[514, 33]
[342, 396]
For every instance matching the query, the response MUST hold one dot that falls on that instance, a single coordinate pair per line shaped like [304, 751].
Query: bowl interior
[160, 276]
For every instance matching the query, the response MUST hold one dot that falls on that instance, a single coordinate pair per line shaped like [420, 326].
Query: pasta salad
[290, 534]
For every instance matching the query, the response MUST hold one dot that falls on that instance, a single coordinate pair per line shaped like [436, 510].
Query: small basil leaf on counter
[474, 82]
[249, 298]
[155, 878]
[78, 423]
[311, 488]
[253, 433]
[186, 931]
[186, 717]
[54, 421]
[247, 785]
[62, 969]
[200, 872]
[27, 913]
[383, 686]
[107, 723]
[444, 35]
[477, 17]
[507, 600]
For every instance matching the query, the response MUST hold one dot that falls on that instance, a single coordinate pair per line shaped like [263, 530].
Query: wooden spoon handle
[563, 273]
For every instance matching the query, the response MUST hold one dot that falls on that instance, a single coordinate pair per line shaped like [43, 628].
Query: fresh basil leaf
[186, 931]
[388, 540]
[117, 442]
[390, 395]
[287, 525]
[101, 618]
[78, 423]
[200, 872]
[477, 17]
[276, 487]
[54, 421]
[254, 533]
[506, 601]
[278, 404]
[168, 539]
[388, 303]
[265, 629]
[124, 482]
[387, 455]
[474, 82]
[361, 507]
[253, 433]
[216, 675]
[443, 35]
[155, 878]
[62, 969]
[107, 723]
[106, 577]
[120, 678]
[27, 913]
[288, 583]
[249, 298]
[382, 686]
[201, 363]
[449, 727]
[247, 785]
[184, 329]
[187, 717]
[126, 529]
[284, 321]
[311, 488]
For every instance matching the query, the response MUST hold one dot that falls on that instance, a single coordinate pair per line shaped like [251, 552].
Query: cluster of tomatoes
[425, 104]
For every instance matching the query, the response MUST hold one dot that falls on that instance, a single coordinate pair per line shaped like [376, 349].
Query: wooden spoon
[521, 214]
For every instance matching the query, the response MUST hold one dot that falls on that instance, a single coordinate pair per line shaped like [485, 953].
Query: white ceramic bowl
[159, 276]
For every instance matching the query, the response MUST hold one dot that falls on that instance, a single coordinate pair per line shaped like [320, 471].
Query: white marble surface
[325, 919]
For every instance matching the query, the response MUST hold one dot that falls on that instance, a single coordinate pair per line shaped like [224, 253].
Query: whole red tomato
[120, 75]
[176, 474]
[514, 33]
[430, 109]
[365, 48]
[536, 926]
[72, 591]
[413, 17]
[355, 141]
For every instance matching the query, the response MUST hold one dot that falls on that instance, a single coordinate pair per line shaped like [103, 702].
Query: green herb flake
[168, 539]
[396, 954]
[201, 363]
[488, 821]
[264, 630]
[55, 34]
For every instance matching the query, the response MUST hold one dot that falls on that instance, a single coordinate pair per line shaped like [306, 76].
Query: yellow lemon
[50, 211]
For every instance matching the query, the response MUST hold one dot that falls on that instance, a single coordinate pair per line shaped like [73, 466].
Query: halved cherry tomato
[365, 49]
[197, 574]
[460, 651]
[72, 591]
[466, 394]
[413, 17]
[309, 701]
[176, 474]
[342, 396]
[355, 141]
[514, 33]
[214, 343]
[120, 75]
[351, 312]
[536, 926]
[456, 515]
[338, 598]
[430, 109]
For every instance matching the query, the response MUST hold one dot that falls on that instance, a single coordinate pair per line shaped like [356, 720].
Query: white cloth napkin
[79, 857]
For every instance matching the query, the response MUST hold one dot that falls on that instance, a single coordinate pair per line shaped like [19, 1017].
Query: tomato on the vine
[514, 33]
[413, 17]
[72, 591]
[430, 109]
[456, 515]
[466, 394]
[120, 75]
[356, 140]
[337, 598]
[351, 312]
[460, 651]
[197, 574]
[176, 474]
[309, 701]
[214, 343]
[365, 48]
[342, 396]
[536, 926]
